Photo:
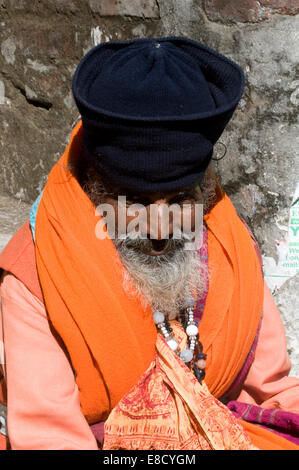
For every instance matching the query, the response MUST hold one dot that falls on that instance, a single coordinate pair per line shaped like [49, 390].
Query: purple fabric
[203, 253]
[283, 423]
[98, 432]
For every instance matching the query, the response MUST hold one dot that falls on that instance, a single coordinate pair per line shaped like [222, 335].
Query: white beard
[165, 282]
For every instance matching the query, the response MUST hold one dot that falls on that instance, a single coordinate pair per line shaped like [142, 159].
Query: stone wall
[41, 42]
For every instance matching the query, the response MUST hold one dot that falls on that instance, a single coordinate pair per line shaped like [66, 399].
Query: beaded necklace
[192, 356]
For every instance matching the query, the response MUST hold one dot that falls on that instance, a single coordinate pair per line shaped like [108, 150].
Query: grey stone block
[13, 213]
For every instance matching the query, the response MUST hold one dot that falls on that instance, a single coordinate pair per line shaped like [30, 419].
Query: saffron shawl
[110, 338]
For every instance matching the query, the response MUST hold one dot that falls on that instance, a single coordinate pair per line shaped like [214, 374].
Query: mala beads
[192, 356]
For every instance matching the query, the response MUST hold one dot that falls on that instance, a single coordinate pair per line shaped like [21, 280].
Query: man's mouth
[158, 248]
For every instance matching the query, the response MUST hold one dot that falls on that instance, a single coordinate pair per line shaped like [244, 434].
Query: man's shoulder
[18, 258]
[19, 244]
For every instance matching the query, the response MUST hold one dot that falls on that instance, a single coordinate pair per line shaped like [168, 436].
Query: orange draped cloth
[110, 339]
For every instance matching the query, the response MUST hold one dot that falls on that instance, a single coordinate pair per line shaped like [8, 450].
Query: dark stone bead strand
[199, 373]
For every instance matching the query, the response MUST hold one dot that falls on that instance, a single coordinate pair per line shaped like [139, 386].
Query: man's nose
[159, 222]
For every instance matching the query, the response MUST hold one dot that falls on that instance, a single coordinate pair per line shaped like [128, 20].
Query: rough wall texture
[41, 41]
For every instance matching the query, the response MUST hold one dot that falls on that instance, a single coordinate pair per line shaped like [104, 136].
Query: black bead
[198, 349]
[184, 321]
[199, 373]
[201, 356]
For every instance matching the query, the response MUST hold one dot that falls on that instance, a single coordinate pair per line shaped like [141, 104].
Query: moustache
[150, 245]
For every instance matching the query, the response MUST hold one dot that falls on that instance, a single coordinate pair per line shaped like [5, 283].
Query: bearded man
[130, 340]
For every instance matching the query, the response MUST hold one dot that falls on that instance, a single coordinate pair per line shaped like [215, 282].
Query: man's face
[166, 217]
[157, 268]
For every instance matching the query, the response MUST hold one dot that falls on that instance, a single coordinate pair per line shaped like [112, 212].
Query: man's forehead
[121, 191]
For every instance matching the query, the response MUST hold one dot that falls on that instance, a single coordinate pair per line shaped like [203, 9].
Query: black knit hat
[152, 109]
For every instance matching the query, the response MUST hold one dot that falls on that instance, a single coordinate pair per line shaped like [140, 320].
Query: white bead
[172, 344]
[186, 355]
[159, 317]
[191, 330]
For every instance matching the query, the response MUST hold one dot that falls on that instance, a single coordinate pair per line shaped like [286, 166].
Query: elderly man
[120, 334]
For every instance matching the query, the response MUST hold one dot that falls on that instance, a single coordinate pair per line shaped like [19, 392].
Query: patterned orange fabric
[109, 337]
[169, 410]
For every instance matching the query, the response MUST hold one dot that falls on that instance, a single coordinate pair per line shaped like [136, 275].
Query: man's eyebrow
[188, 191]
[183, 194]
